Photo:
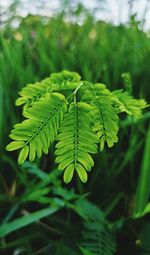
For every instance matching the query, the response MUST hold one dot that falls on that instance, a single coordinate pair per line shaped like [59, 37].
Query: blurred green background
[31, 48]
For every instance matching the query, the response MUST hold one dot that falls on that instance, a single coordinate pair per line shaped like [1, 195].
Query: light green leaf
[23, 154]
[32, 151]
[81, 172]
[68, 174]
[76, 141]
[15, 145]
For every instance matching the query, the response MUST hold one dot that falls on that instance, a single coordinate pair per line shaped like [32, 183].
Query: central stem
[75, 132]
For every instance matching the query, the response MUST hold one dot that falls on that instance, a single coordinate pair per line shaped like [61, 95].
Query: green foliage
[91, 118]
[127, 104]
[97, 236]
[127, 82]
[26, 220]
[98, 239]
[103, 113]
[35, 134]
[65, 80]
[143, 188]
[77, 140]
[28, 53]
[33, 93]
[46, 188]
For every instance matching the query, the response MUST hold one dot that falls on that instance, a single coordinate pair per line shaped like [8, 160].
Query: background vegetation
[72, 218]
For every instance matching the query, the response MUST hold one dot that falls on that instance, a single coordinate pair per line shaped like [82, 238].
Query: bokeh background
[101, 40]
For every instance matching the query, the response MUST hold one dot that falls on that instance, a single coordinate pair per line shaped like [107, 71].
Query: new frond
[76, 142]
[35, 134]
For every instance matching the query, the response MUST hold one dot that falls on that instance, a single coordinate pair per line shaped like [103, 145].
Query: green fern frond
[91, 120]
[33, 93]
[65, 80]
[126, 103]
[76, 142]
[35, 134]
[105, 122]
[105, 119]
[58, 81]
[98, 239]
[90, 91]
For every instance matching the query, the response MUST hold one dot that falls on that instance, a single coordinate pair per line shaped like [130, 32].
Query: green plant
[98, 237]
[37, 47]
[80, 116]
[143, 188]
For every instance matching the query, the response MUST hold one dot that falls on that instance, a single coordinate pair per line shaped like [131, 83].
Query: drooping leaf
[73, 152]
[105, 119]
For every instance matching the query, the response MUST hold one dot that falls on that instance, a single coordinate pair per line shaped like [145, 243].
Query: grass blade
[26, 220]
[143, 188]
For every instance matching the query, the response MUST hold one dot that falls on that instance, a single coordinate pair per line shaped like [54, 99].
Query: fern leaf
[94, 119]
[105, 119]
[91, 91]
[33, 92]
[98, 238]
[15, 145]
[76, 141]
[58, 81]
[105, 122]
[126, 103]
[65, 80]
[35, 134]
